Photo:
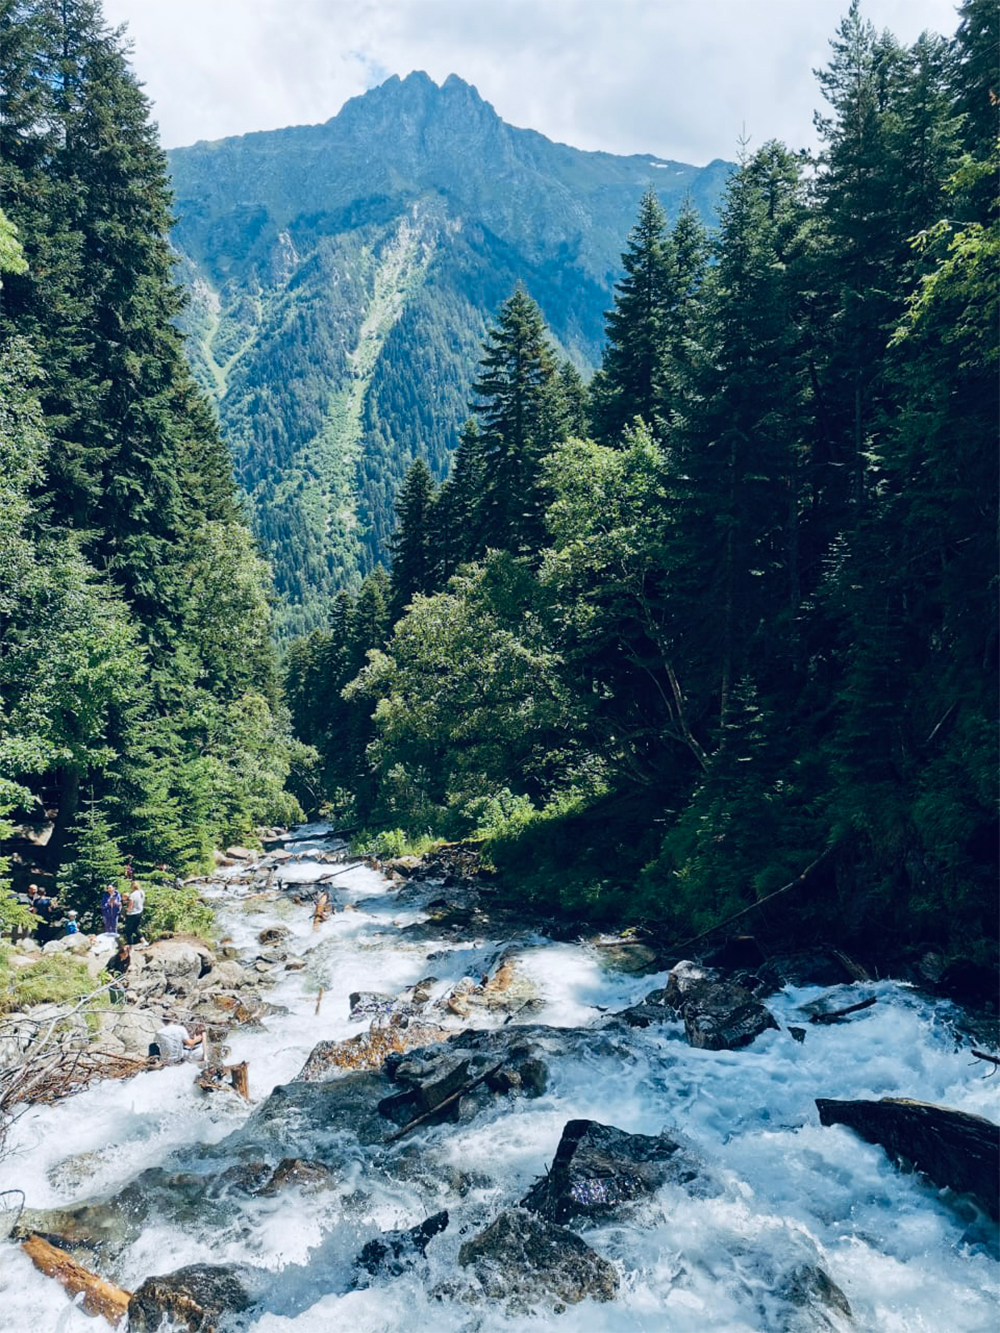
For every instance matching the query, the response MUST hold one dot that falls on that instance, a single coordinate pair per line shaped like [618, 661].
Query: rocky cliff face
[341, 276]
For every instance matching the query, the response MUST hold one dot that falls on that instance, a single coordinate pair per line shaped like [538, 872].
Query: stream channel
[778, 1191]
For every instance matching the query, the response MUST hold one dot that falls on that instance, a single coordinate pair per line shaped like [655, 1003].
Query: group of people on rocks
[174, 1042]
[134, 903]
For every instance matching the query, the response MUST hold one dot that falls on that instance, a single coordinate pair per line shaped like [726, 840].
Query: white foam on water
[779, 1189]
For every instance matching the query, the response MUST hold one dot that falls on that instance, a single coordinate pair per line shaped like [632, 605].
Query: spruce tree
[412, 555]
[456, 519]
[519, 417]
[734, 524]
[96, 861]
[576, 400]
[631, 383]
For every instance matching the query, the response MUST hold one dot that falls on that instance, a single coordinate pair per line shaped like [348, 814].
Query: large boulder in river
[522, 1260]
[955, 1150]
[300, 1117]
[723, 1016]
[719, 1014]
[197, 1298]
[460, 1074]
[598, 1168]
[813, 1302]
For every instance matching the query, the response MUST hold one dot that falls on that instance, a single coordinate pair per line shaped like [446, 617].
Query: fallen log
[984, 1055]
[322, 909]
[835, 1015]
[443, 1105]
[99, 1297]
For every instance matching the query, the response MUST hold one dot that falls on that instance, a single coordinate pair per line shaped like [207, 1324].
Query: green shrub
[54, 979]
[171, 911]
[390, 843]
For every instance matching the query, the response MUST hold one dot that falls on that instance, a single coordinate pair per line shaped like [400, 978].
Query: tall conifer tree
[519, 419]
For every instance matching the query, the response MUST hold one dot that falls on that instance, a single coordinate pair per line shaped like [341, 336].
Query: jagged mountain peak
[415, 100]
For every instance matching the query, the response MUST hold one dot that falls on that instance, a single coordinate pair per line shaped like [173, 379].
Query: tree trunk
[100, 1297]
[69, 804]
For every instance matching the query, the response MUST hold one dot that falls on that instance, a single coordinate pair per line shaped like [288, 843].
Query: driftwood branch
[835, 1015]
[629, 943]
[443, 1105]
[99, 1297]
[994, 1060]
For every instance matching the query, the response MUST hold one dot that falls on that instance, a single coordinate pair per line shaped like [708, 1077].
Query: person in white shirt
[133, 914]
[174, 1044]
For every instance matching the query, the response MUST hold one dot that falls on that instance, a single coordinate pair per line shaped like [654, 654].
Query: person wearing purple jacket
[111, 906]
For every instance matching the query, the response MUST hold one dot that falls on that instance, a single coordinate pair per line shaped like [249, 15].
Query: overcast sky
[677, 78]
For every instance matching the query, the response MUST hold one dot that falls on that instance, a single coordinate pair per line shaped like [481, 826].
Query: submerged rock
[598, 1168]
[394, 1252]
[296, 1172]
[955, 1150]
[818, 1304]
[196, 1298]
[520, 1259]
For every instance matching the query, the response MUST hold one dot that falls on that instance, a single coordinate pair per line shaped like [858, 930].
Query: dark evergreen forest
[725, 616]
[139, 697]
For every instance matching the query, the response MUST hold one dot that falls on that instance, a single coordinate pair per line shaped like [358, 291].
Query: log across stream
[775, 1223]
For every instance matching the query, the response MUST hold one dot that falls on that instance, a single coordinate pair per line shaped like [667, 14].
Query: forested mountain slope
[341, 276]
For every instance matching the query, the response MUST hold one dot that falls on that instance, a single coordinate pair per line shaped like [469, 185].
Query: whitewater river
[786, 1190]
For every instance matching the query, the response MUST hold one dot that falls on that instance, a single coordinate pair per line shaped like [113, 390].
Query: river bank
[150, 1175]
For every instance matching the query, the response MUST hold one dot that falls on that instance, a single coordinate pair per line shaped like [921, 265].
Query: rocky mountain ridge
[341, 277]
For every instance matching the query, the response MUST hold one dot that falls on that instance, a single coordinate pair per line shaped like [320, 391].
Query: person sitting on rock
[116, 967]
[173, 1044]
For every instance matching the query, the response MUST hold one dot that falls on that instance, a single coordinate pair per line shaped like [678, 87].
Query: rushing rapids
[775, 1223]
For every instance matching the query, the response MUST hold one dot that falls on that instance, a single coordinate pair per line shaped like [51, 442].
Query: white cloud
[670, 77]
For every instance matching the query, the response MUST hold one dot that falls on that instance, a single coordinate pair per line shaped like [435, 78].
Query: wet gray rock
[953, 1149]
[102, 1228]
[377, 1005]
[719, 1014]
[197, 1298]
[506, 1059]
[597, 1169]
[296, 1172]
[394, 1252]
[240, 1180]
[723, 1016]
[522, 1260]
[818, 1304]
[429, 1080]
[301, 1115]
